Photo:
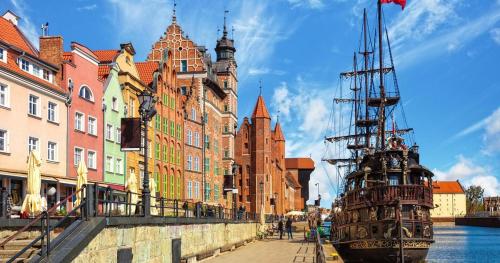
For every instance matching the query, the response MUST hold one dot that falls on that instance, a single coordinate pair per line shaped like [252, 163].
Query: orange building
[298, 171]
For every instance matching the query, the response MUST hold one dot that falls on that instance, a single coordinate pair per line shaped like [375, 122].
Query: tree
[474, 195]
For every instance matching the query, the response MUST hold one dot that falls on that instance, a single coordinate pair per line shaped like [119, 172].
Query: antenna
[45, 29]
[225, 18]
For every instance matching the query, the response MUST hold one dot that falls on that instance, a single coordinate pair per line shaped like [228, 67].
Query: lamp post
[234, 170]
[147, 111]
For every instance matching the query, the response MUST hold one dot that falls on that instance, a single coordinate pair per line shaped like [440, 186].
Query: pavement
[271, 250]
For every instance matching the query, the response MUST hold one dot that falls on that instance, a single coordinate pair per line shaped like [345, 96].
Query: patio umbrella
[152, 189]
[131, 186]
[81, 181]
[32, 203]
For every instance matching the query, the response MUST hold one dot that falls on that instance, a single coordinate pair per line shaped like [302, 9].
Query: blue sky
[446, 54]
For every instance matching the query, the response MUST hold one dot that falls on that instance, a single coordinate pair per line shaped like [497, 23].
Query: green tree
[474, 195]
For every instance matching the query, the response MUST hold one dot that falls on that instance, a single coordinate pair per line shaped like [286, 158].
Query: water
[465, 244]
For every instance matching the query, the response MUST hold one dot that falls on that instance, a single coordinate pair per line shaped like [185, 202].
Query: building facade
[298, 173]
[114, 110]
[32, 112]
[492, 204]
[203, 112]
[449, 199]
[85, 110]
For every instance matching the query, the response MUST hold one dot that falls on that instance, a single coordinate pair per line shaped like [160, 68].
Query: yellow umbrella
[131, 185]
[32, 203]
[81, 180]
[152, 189]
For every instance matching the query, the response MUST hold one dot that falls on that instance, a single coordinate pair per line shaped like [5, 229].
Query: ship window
[393, 179]
[362, 183]
[374, 231]
[418, 230]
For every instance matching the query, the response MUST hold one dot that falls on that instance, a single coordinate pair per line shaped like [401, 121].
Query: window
[172, 128]
[226, 153]
[216, 192]
[131, 105]
[165, 188]
[119, 166]
[52, 151]
[165, 125]
[205, 117]
[32, 144]
[183, 90]
[109, 132]
[189, 137]
[85, 93]
[172, 103]
[196, 190]
[189, 190]
[197, 164]
[109, 164]
[216, 146]
[114, 104]
[172, 186]
[3, 55]
[393, 180]
[79, 121]
[4, 140]
[46, 75]
[184, 65]
[91, 159]
[25, 65]
[179, 131]
[207, 165]
[216, 168]
[178, 162]
[172, 154]
[37, 71]
[164, 153]
[158, 122]
[118, 135]
[4, 95]
[225, 84]
[51, 112]
[92, 126]
[77, 156]
[178, 187]
[189, 163]
[157, 151]
[196, 139]
[207, 142]
[193, 114]
[33, 105]
[226, 107]
[207, 191]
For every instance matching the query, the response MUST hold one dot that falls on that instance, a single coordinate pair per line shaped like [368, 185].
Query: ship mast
[365, 55]
[356, 137]
[381, 128]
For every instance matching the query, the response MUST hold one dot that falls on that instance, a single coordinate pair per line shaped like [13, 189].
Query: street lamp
[147, 110]
[234, 191]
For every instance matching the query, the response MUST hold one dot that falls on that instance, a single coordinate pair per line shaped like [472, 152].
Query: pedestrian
[288, 226]
[280, 228]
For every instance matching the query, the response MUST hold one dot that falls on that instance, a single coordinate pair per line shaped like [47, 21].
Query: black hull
[389, 255]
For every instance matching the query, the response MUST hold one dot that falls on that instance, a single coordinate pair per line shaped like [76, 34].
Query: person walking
[288, 226]
[280, 228]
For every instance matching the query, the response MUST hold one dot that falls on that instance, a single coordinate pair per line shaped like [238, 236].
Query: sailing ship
[382, 211]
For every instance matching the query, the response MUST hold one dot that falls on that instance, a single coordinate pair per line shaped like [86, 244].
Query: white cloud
[313, 4]
[265, 71]
[25, 24]
[492, 134]
[495, 34]
[87, 7]
[469, 173]
[281, 101]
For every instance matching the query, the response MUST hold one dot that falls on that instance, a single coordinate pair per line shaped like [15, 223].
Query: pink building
[85, 112]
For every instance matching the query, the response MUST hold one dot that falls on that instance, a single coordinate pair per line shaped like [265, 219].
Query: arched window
[86, 93]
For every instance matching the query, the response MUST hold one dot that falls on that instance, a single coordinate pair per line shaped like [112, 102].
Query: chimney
[51, 50]
[9, 15]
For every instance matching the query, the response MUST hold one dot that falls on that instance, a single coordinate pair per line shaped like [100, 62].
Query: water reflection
[465, 244]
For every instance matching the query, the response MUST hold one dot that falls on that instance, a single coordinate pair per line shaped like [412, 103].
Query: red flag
[402, 3]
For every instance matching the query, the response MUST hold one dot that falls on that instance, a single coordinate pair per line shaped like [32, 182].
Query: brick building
[205, 110]
[298, 174]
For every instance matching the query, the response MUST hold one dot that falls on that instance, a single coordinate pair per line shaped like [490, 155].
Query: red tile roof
[106, 56]
[11, 34]
[103, 71]
[447, 187]
[146, 70]
[260, 110]
[299, 163]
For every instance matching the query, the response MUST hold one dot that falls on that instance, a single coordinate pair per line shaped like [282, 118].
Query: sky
[446, 53]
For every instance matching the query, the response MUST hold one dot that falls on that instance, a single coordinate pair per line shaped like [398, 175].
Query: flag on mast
[402, 3]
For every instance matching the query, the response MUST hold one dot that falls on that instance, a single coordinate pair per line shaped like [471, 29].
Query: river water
[465, 244]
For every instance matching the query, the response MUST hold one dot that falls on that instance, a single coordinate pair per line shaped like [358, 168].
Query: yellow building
[131, 85]
[449, 199]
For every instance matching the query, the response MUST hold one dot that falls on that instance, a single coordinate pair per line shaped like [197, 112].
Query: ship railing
[387, 194]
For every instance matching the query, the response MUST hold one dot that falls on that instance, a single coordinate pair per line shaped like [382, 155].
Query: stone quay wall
[153, 243]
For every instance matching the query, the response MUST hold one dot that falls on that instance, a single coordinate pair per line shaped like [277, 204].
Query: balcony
[385, 195]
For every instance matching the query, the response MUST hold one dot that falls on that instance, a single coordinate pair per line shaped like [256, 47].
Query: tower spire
[174, 17]
[224, 32]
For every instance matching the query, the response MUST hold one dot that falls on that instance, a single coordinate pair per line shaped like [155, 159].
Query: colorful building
[203, 112]
[131, 85]
[33, 113]
[114, 110]
[78, 76]
[449, 199]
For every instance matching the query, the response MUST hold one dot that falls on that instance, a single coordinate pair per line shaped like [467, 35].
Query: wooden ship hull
[383, 251]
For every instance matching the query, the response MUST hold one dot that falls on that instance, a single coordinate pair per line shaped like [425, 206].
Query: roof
[11, 35]
[106, 56]
[67, 56]
[103, 71]
[278, 133]
[146, 70]
[299, 163]
[260, 110]
[447, 187]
